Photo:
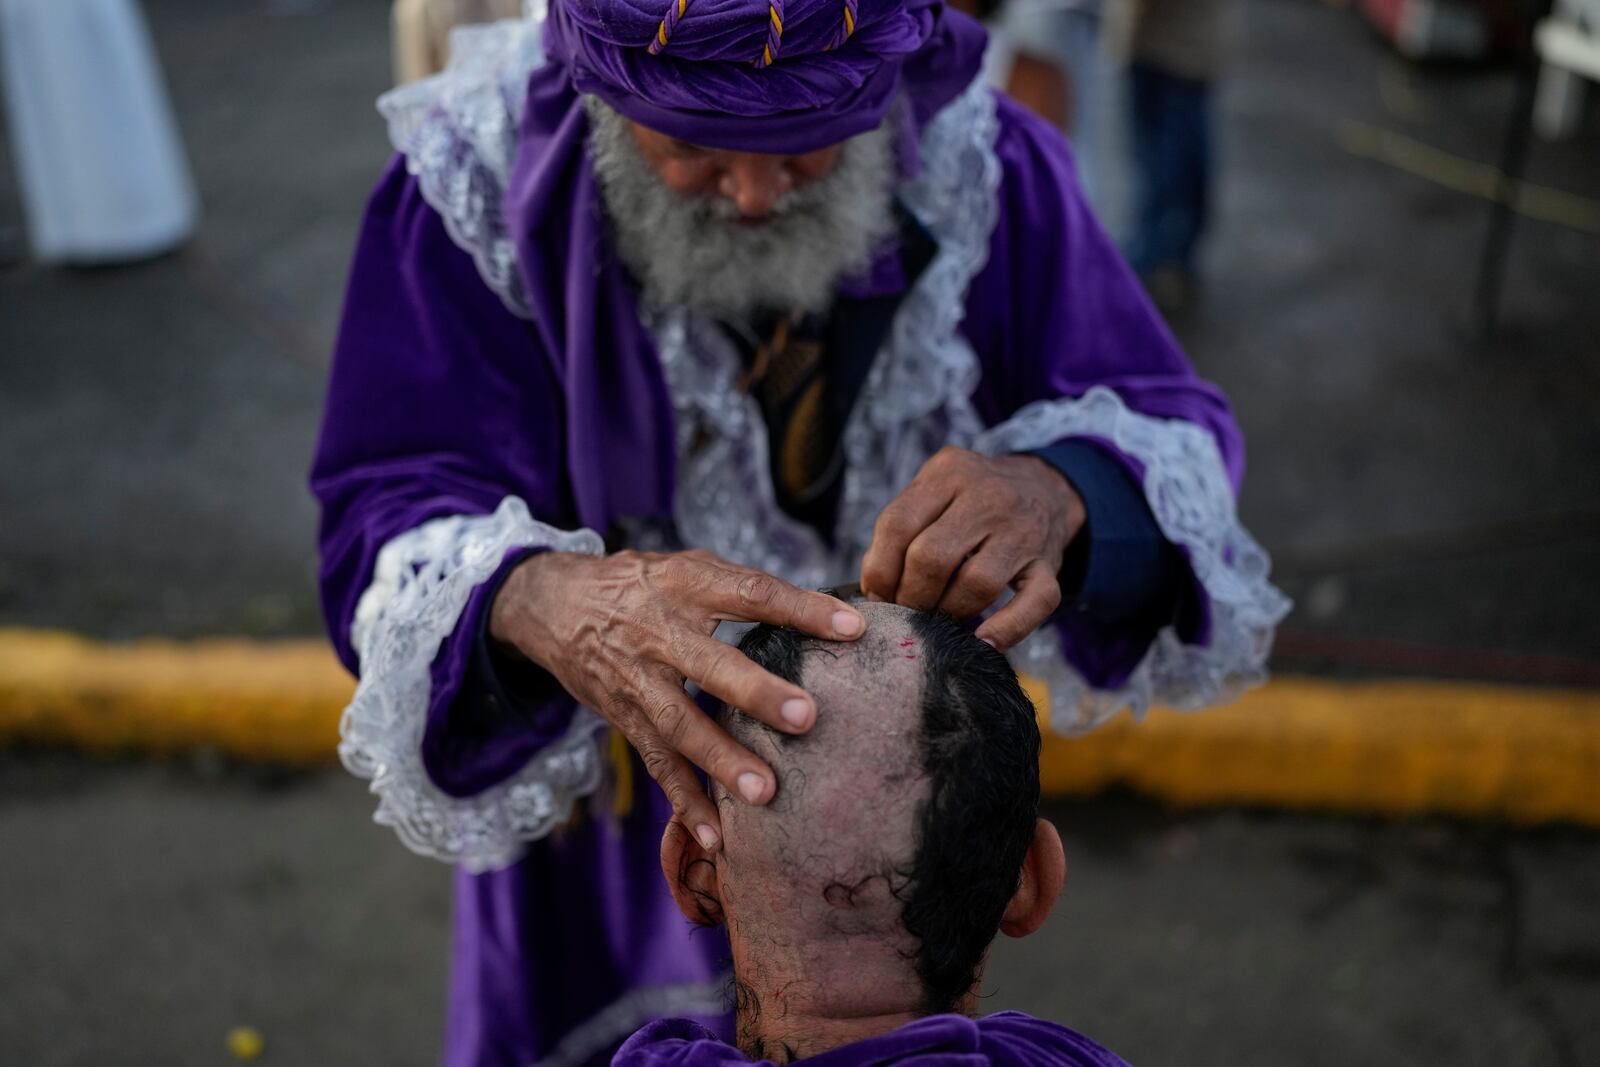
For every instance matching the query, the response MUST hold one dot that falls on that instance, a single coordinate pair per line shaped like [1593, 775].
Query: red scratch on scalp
[908, 642]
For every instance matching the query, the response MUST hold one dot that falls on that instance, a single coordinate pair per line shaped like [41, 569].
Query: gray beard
[692, 252]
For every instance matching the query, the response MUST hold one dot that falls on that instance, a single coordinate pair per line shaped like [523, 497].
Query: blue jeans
[1172, 161]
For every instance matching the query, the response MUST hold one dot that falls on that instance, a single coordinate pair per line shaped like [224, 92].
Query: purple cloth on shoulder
[1004, 1039]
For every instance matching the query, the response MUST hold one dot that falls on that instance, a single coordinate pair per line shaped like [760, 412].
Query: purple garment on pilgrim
[444, 402]
[1004, 1039]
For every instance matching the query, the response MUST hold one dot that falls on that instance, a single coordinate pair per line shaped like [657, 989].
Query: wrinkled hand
[967, 527]
[623, 632]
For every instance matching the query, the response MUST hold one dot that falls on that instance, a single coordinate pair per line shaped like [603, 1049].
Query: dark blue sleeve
[1119, 568]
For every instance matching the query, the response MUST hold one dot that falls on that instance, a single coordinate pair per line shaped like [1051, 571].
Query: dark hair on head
[980, 751]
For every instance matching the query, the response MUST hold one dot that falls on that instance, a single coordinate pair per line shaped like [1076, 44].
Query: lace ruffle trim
[915, 400]
[1189, 492]
[421, 585]
[458, 132]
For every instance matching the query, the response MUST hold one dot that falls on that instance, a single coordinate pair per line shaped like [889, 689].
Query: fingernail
[846, 623]
[795, 712]
[989, 641]
[751, 786]
[707, 836]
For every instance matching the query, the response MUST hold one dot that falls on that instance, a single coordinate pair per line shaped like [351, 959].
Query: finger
[898, 525]
[936, 554]
[745, 595]
[688, 731]
[731, 677]
[691, 807]
[980, 581]
[1038, 596]
[682, 787]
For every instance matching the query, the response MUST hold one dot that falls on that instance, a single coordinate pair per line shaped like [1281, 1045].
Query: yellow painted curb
[1385, 747]
[1396, 748]
[271, 701]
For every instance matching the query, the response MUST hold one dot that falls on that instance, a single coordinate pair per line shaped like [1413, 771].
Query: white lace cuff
[1192, 499]
[421, 584]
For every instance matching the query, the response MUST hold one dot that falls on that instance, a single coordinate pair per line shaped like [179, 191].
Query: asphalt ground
[1428, 495]
[149, 908]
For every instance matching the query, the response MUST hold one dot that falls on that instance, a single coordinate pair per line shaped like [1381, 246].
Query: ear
[1044, 872]
[691, 876]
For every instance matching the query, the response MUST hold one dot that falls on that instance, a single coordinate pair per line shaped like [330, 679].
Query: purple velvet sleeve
[1056, 311]
[440, 402]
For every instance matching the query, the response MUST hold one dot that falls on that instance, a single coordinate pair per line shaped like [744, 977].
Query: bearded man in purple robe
[904, 834]
[666, 313]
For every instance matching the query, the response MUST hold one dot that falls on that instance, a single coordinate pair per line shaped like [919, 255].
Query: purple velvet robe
[1005, 1039]
[443, 402]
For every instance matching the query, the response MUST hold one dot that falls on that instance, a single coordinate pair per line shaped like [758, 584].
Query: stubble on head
[813, 883]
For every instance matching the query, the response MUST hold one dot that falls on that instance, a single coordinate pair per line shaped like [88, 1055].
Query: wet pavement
[147, 909]
[1428, 494]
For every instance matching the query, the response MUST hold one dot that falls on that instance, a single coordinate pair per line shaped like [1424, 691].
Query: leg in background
[1146, 137]
[1189, 107]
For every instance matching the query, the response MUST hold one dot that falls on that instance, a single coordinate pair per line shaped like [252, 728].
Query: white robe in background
[102, 171]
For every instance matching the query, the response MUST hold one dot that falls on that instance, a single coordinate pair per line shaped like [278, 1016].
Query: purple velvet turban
[787, 76]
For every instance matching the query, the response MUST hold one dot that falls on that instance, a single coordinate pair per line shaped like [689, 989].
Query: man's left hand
[967, 527]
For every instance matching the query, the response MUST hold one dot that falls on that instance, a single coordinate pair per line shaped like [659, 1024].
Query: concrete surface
[1429, 497]
[147, 909]
[158, 420]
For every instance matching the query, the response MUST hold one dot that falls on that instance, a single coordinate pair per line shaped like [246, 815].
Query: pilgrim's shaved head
[898, 835]
[825, 865]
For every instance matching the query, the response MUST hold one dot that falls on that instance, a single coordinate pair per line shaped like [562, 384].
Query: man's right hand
[621, 633]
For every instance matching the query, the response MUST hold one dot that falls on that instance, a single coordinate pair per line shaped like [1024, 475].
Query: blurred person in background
[1174, 51]
[1047, 54]
[422, 31]
[100, 164]
[663, 316]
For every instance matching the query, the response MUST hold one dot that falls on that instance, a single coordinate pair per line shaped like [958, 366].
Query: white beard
[693, 252]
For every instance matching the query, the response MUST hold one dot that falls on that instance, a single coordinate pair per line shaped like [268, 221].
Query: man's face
[730, 234]
[752, 181]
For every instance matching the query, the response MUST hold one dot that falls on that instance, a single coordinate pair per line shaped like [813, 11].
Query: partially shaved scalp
[816, 876]
[900, 822]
